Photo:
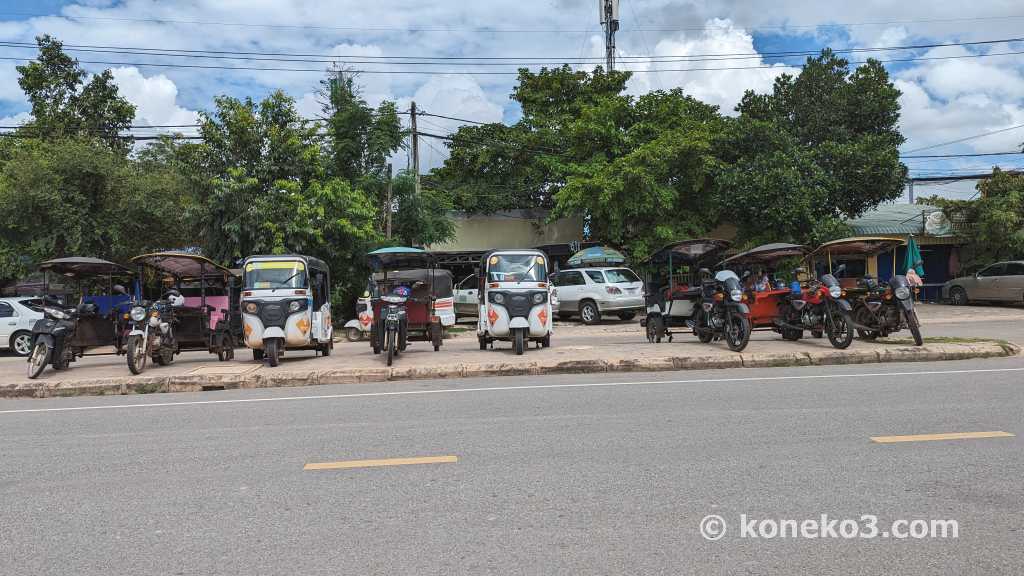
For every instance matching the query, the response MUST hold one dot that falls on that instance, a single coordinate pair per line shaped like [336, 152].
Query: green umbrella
[913, 259]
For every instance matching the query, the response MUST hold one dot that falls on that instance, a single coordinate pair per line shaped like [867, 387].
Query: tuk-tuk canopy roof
[182, 265]
[866, 245]
[399, 258]
[767, 253]
[597, 256]
[310, 261]
[440, 279]
[84, 266]
[689, 252]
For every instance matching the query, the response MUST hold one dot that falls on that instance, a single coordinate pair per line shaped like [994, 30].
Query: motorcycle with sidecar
[674, 294]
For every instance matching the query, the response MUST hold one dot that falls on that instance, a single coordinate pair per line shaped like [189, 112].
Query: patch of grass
[147, 388]
[459, 329]
[1004, 344]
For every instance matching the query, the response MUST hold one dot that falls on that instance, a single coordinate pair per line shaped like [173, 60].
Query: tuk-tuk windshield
[268, 274]
[516, 268]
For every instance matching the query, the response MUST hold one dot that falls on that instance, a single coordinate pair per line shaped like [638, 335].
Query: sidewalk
[615, 347]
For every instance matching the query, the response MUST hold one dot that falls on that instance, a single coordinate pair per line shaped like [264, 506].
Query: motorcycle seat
[394, 299]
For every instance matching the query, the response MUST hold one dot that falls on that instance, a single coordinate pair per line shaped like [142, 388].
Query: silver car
[999, 282]
[17, 316]
[592, 292]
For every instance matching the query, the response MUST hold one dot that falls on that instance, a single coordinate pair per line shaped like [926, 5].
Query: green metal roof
[901, 219]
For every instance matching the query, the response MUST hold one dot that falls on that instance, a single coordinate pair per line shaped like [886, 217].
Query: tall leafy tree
[67, 102]
[822, 147]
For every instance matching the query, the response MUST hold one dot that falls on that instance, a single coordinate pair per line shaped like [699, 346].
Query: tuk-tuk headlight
[251, 307]
[835, 291]
[736, 295]
[902, 292]
[294, 306]
[138, 313]
[498, 298]
[538, 297]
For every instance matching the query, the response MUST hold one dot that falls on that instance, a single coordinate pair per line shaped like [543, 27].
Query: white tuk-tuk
[514, 299]
[286, 303]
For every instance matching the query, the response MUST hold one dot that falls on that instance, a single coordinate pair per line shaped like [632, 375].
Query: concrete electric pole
[610, 21]
[388, 206]
[415, 148]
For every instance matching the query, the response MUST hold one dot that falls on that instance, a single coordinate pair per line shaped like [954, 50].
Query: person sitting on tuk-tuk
[761, 283]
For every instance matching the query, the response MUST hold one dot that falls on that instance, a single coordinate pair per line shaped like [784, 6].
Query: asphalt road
[593, 474]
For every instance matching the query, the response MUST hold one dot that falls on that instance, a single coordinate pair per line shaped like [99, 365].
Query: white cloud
[16, 119]
[723, 87]
[155, 98]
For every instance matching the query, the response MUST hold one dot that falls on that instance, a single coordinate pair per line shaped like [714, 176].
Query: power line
[482, 60]
[493, 73]
[968, 138]
[496, 30]
[970, 155]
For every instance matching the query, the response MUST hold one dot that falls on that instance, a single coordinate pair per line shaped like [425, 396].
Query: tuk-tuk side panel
[764, 307]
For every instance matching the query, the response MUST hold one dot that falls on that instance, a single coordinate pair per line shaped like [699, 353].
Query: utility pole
[910, 190]
[388, 207]
[415, 148]
[610, 21]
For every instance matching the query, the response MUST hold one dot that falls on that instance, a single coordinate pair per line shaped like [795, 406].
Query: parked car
[17, 316]
[466, 303]
[999, 282]
[593, 292]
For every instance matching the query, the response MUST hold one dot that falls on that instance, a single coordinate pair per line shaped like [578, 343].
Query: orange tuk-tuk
[765, 293]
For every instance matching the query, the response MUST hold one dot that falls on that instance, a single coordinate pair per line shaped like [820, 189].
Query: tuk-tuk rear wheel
[257, 355]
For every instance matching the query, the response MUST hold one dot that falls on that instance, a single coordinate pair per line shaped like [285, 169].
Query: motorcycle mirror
[118, 289]
[704, 272]
[839, 269]
[746, 274]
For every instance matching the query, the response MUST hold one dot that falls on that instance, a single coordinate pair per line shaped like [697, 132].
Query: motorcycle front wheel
[915, 326]
[136, 354]
[391, 345]
[840, 331]
[737, 333]
[38, 359]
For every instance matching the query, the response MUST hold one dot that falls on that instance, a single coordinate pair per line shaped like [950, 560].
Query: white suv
[591, 292]
[17, 316]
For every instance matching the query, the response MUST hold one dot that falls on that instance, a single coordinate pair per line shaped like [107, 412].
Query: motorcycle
[52, 335]
[152, 332]
[820, 309]
[883, 310]
[724, 312]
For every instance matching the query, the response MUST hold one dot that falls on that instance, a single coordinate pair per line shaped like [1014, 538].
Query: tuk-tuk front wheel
[38, 359]
[353, 334]
[272, 351]
[518, 341]
[136, 354]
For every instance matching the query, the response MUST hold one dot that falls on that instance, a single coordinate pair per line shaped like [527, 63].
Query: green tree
[78, 197]
[995, 219]
[64, 104]
[822, 147]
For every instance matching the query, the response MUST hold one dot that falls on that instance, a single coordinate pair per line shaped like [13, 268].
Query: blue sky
[944, 98]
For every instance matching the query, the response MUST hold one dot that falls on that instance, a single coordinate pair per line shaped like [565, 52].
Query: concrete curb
[275, 378]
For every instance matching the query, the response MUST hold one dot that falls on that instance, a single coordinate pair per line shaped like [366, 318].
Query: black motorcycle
[390, 330]
[53, 334]
[883, 310]
[152, 334]
[723, 313]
